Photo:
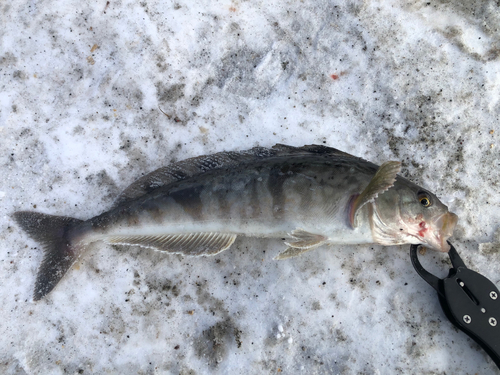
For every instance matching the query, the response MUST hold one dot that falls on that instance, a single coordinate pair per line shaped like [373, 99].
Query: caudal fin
[55, 233]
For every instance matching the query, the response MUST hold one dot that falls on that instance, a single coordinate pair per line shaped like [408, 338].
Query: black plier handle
[469, 300]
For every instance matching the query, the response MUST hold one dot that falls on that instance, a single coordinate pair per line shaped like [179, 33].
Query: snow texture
[93, 95]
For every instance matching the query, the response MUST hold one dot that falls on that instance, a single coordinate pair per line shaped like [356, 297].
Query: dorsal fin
[189, 168]
[311, 149]
[201, 164]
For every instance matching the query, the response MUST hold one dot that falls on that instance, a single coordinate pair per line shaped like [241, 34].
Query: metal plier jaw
[469, 300]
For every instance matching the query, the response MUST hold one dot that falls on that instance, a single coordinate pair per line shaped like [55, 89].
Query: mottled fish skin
[308, 195]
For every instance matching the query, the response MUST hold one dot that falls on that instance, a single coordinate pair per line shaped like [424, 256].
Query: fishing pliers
[469, 300]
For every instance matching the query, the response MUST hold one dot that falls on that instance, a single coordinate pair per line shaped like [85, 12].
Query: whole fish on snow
[310, 196]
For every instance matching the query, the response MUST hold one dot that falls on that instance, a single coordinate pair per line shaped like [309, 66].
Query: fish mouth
[443, 227]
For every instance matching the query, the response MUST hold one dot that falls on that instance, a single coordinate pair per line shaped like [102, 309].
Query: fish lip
[443, 227]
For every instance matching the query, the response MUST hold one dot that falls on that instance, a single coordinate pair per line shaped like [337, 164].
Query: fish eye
[424, 199]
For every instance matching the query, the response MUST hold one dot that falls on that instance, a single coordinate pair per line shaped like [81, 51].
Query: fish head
[407, 213]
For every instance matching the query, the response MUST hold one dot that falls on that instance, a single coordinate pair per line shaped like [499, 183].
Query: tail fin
[54, 233]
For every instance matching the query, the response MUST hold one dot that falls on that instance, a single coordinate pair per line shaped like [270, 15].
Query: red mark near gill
[423, 229]
[334, 76]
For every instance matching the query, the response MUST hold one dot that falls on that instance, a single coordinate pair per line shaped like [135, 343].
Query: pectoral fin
[300, 242]
[382, 181]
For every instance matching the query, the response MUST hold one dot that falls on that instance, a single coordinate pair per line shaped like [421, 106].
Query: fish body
[309, 196]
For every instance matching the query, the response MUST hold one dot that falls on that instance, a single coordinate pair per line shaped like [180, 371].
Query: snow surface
[95, 94]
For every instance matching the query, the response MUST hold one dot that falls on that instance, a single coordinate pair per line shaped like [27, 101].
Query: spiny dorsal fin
[201, 164]
[382, 181]
[314, 149]
[206, 243]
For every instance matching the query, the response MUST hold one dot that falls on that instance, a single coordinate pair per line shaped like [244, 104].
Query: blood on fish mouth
[444, 226]
[422, 231]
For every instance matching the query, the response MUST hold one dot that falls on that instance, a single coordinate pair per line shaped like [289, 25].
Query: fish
[308, 196]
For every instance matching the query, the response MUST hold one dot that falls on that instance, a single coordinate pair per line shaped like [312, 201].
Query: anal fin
[194, 244]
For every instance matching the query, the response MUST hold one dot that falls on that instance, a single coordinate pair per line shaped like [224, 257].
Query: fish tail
[57, 234]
